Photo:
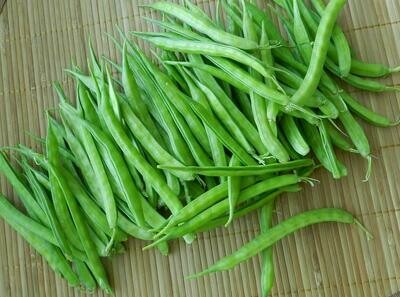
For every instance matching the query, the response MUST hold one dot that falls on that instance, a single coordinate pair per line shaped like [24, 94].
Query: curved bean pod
[358, 67]
[367, 114]
[48, 208]
[160, 111]
[287, 227]
[338, 138]
[320, 143]
[294, 136]
[201, 203]
[340, 41]
[134, 98]
[226, 119]
[320, 50]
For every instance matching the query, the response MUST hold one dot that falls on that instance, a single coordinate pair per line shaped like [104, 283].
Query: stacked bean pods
[231, 115]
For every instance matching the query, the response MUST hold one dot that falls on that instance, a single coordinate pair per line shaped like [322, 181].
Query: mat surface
[39, 38]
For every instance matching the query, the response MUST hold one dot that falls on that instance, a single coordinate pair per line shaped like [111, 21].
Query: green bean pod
[48, 208]
[294, 136]
[241, 120]
[14, 217]
[222, 207]
[287, 227]
[150, 144]
[201, 203]
[371, 70]
[217, 149]
[238, 78]
[207, 48]
[322, 147]
[361, 83]
[233, 189]
[185, 119]
[253, 206]
[82, 230]
[226, 119]
[203, 25]
[268, 59]
[367, 114]
[160, 111]
[51, 253]
[258, 104]
[358, 67]
[222, 135]
[58, 197]
[31, 206]
[267, 265]
[134, 98]
[338, 138]
[243, 170]
[85, 276]
[320, 50]
[340, 41]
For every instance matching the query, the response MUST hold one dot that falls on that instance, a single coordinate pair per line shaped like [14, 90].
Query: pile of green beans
[226, 117]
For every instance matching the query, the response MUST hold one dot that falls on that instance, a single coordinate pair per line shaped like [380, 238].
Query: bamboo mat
[39, 38]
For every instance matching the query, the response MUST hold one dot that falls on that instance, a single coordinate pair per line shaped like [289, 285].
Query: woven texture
[39, 38]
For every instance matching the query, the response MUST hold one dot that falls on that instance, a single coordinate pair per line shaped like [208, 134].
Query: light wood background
[40, 38]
